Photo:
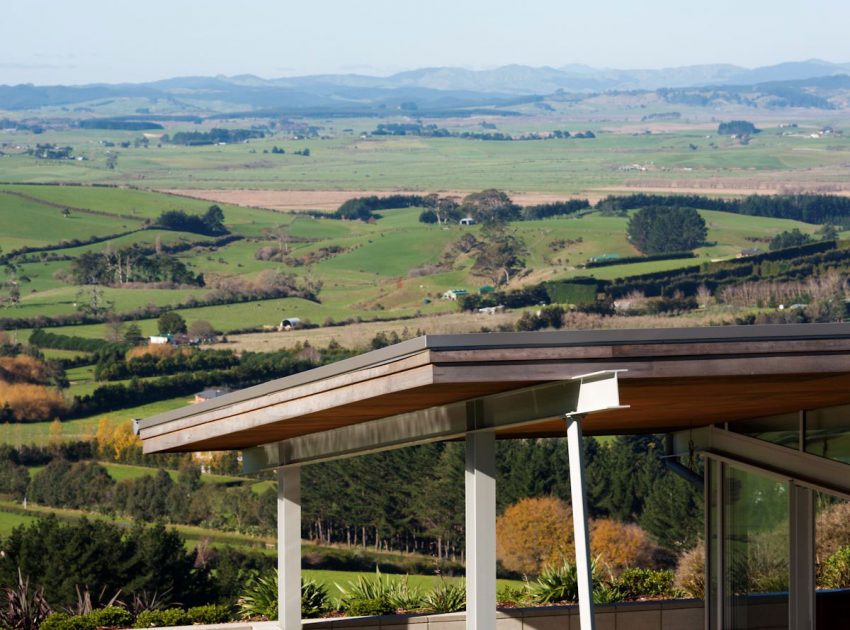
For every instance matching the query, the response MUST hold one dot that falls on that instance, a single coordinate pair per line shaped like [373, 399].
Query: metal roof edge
[370, 359]
[479, 341]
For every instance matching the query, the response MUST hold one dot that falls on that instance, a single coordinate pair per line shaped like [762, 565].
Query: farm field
[371, 277]
[21, 433]
[622, 154]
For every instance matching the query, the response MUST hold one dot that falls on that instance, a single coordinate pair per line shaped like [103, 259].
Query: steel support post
[587, 617]
[289, 547]
[481, 530]
[802, 543]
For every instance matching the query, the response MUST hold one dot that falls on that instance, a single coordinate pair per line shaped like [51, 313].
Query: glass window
[828, 433]
[756, 549]
[832, 554]
[783, 430]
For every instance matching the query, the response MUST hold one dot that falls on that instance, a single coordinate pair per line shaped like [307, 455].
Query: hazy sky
[80, 41]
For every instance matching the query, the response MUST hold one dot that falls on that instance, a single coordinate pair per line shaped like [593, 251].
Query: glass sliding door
[749, 555]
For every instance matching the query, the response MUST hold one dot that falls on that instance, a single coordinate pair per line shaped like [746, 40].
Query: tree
[737, 128]
[533, 534]
[133, 334]
[202, 329]
[171, 323]
[673, 513]
[111, 161]
[114, 330]
[789, 238]
[500, 253]
[662, 229]
[214, 220]
[490, 205]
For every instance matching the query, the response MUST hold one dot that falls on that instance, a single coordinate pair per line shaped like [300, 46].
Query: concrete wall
[666, 615]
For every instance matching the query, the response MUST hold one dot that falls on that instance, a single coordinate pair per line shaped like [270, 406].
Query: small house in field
[210, 393]
[157, 340]
[454, 294]
[290, 324]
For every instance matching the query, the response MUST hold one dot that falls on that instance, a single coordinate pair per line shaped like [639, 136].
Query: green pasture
[347, 161]
[21, 433]
[27, 223]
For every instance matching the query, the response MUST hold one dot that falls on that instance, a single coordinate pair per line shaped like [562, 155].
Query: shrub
[111, 617]
[211, 613]
[620, 545]
[55, 621]
[162, 618]
[511, 595]
[447, 597]
[260, 598]
[64, 621]
[690, 574]
[556, 584]
[23, 607]
[315, 600]
[836, 570]
[534, 533]
[402, 596]
[833, 528]
[357, 607]
[607, 594]
[367, 593]
[637, 583]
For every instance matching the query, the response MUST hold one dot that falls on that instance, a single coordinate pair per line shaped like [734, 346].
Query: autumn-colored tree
[159, 350]
[31, 403]
[55, 432]
[534, 533]
[620, 545]
[115, 441]
[23, 369]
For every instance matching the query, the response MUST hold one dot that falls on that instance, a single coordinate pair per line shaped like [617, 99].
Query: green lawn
[424, 583]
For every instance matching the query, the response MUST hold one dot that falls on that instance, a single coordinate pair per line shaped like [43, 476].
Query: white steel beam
[802, 546]
[587, 394]
[480, 530]
[580, 523]
[289, 548]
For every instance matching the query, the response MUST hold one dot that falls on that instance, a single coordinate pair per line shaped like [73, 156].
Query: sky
[85, 41]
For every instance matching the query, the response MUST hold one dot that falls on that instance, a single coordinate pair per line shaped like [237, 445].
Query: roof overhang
[673, 379]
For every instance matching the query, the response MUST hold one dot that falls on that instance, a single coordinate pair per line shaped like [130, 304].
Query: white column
[580, 523]
[481, 530]
[802, 543]
[289, 547]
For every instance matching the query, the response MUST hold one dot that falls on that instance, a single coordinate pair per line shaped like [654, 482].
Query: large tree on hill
[660, 229]
[490, 205]
[500, 253]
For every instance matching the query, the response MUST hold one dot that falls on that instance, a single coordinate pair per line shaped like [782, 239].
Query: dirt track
[328, 199]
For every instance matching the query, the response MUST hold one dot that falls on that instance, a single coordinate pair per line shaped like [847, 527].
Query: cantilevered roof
[675, 378]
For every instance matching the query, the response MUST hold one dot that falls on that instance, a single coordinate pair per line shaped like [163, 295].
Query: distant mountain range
[442, 88]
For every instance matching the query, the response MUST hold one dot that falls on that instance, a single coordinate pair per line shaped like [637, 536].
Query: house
[765, 409]
[290, 324]
[467, 221]
[749, 251]
[210, 393]
[156, 340]
[454, 294]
